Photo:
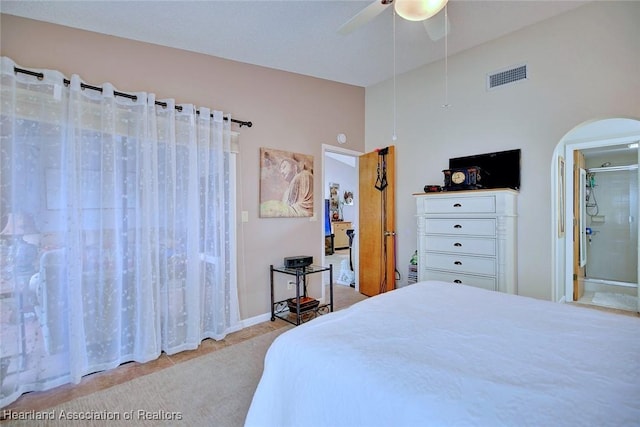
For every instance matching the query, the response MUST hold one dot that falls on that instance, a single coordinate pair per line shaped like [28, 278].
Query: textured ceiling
[297, 36]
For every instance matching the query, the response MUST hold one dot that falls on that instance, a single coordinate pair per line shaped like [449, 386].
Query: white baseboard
[245, 323]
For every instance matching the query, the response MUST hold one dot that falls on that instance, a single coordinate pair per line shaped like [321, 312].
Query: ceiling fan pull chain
[394, 136]
[446, 60]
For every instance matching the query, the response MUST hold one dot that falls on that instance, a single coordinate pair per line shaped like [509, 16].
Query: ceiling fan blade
[362, 17]
[436, 27]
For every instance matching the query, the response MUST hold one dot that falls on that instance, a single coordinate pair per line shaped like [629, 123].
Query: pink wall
[289, 112]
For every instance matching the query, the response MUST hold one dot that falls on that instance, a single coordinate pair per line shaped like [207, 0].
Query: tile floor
[610, 296]
[587, 301]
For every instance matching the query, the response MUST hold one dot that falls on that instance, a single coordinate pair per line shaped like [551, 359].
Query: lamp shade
[418, 10]
[19, 224]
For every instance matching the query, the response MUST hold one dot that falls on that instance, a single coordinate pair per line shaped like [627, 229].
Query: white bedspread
[451, 355]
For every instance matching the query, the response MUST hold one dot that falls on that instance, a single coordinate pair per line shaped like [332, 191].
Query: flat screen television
[502, 168]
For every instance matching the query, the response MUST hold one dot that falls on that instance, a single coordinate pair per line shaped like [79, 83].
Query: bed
[434, 353]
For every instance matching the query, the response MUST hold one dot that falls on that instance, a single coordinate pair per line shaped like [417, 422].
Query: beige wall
[289, 112]
[583, 65]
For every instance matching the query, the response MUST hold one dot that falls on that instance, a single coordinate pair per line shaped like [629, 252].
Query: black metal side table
[292, 308]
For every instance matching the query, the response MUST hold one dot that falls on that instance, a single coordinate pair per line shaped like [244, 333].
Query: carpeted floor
[341, 268]
[203, 393]
[213, 390]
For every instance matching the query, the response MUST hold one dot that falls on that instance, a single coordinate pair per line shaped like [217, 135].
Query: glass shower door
[612, 209]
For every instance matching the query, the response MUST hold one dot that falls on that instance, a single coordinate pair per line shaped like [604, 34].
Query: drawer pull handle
[457, 205]
[458, 245]
[457, 281]
[457, 226]
[458, 263]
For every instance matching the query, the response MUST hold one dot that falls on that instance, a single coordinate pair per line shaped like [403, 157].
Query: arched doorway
[593, 149]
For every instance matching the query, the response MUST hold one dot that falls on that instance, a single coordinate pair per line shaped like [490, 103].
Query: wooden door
[377, 264]
[578, 270]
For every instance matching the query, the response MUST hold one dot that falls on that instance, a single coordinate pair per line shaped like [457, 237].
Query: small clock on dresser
[469, 178]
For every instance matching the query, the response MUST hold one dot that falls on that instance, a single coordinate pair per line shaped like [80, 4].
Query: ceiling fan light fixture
[418, 10]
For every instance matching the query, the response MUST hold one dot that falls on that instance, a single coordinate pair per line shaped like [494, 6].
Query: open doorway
[610, 240]
[339, 241]
[600, 265]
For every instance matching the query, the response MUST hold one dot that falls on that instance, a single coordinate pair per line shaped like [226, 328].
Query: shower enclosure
[611, 207]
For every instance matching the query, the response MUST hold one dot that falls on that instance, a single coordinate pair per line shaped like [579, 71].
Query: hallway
[340, 261]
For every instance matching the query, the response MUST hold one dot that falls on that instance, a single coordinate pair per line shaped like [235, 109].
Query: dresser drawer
[488, 283]
[460, 263]
[340, 237]
[461, 226]
[459, 240]
[476, 204]
[460, 245]
[340, 226]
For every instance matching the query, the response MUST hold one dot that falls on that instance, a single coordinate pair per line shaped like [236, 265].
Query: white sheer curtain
[117, 240]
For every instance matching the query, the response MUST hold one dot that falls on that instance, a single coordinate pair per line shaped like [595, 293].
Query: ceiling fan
[411, 10]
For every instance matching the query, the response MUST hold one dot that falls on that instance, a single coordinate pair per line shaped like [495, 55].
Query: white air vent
[507, 76]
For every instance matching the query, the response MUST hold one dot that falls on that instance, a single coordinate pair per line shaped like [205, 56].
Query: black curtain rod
[40, 76]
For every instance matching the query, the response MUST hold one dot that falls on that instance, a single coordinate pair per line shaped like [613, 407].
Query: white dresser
[469, 237]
